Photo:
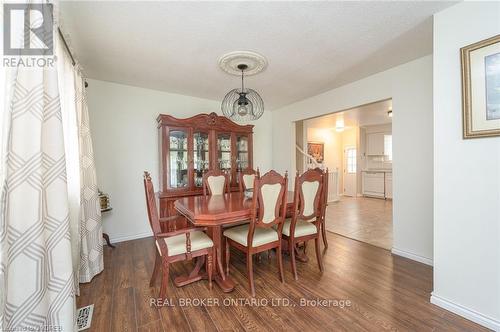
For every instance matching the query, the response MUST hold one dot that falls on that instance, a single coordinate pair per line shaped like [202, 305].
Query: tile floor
[365, 219]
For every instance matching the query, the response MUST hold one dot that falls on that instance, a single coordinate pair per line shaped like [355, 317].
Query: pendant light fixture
[242, 104]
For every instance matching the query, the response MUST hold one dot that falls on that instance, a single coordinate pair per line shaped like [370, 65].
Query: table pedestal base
[226, 285]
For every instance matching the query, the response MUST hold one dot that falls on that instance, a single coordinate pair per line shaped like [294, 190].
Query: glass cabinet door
[224, 151]
[178, 158]
[242, 149]
[242, 152]
[201, 157]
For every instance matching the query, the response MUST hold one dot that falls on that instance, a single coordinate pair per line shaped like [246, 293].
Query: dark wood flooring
[385, 292]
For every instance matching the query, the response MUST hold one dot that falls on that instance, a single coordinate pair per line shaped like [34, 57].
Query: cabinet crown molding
[204, 121]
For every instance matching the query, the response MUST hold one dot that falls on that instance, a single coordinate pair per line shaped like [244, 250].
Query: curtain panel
[91, 251]
[50, 220]
[36, 273]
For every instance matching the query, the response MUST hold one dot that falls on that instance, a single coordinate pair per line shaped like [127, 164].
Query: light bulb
[242, 110]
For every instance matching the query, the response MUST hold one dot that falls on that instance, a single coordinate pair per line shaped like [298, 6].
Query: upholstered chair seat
[302, 228]
[176, 245]
[260, 237]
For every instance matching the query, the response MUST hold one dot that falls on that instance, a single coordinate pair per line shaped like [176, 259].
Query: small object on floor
[84, 317]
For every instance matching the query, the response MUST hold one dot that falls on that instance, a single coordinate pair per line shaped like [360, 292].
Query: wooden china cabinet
[189, 147]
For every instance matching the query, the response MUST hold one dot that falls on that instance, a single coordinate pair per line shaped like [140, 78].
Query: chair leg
[164, 279]
[250, 273]
[269, 255]
[210, 267]
[291, 249]
[318, 254]
[323, 233]
[155, 269]
[280, 263]
[228, 256]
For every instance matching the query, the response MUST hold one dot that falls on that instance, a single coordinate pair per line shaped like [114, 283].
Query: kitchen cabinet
[388, 185]
[375, 144]
[373, 184]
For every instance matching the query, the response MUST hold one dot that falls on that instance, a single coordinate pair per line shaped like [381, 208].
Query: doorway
[357, 151]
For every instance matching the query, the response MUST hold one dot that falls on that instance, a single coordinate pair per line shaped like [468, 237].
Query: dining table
[216, 212]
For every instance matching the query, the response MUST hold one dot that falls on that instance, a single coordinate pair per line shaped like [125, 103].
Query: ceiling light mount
[231, 62]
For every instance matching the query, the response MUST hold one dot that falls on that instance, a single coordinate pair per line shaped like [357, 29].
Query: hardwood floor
[385, 292]
[364, 219]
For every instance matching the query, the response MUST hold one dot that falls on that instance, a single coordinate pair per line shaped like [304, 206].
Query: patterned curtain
[91, 255]
[36, 274]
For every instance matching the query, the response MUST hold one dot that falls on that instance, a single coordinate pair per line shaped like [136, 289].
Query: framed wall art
[317, 150]
[481, 88]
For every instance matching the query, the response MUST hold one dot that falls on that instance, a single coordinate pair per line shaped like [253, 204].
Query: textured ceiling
[311, 46]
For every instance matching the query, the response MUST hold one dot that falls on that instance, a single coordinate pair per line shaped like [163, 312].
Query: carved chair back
[215, 182]
[268, 202]
[154, 220]
[309, 195]
[247, 178]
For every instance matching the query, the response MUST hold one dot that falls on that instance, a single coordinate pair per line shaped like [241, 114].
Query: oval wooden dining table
[215, 212]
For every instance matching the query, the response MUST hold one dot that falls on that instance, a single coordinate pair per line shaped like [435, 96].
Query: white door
[350, 169]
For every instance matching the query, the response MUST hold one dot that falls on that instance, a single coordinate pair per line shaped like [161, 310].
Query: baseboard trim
[117, 239]
[409, 255]
[465, 312]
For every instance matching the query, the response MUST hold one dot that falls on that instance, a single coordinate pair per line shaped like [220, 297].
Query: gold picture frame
[481, 88]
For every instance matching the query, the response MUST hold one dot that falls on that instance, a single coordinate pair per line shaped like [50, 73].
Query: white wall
[410, 86]
[125, 139]
[467, 177]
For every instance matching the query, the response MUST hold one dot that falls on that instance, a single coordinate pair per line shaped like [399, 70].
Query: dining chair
[215, 182]
[305, 223]
[174, 246]
[268, 209]
[246, 178]
[325, 204]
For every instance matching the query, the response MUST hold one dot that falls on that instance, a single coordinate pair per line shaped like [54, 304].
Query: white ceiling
[311, 46]
[366, 115]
